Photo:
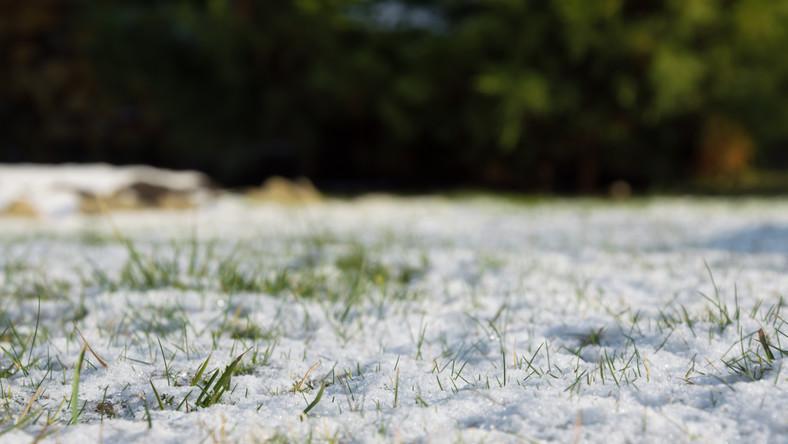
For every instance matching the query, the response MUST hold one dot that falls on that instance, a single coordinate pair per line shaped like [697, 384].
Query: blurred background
[566, 96]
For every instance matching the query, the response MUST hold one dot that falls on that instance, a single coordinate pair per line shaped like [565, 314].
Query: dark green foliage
[563, 95]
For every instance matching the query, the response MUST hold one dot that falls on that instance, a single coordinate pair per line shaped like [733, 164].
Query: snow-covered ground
[405, 320]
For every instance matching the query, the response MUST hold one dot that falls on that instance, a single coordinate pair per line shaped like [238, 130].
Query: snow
[55, 190]
[534, 280]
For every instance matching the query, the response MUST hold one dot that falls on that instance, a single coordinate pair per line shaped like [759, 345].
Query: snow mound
[57, 190]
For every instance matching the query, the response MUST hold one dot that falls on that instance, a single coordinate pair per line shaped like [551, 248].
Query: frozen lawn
[399, 320]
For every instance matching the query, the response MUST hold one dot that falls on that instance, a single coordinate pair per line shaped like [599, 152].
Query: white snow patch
[534, 281]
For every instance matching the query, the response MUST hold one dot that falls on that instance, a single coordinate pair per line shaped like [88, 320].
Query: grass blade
[75, 386]
[156, 394]
[765, 344]
[211, 392]
[316, 400]
[200, 371]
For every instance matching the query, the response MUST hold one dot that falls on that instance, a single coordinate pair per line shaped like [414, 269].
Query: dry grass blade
[764, 340]
[100, 360]
[297, 387]
[29, 405]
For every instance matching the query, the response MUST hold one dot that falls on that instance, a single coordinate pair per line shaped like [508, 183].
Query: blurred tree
[567, 95]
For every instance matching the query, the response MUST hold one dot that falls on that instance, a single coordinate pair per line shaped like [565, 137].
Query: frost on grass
[398, 320]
